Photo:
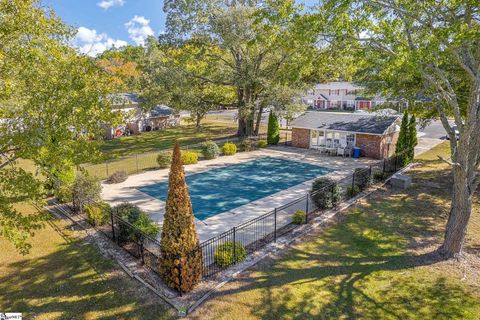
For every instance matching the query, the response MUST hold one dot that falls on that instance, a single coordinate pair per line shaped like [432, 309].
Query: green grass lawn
[137, 153]
[65, 278]
[185, 134]
[377, 261]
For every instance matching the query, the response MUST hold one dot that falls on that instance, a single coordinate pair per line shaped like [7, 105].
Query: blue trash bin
[356, 152]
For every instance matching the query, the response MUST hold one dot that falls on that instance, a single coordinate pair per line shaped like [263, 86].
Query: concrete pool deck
[127, 191]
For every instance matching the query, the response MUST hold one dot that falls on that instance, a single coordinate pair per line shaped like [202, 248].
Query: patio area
[333, 143]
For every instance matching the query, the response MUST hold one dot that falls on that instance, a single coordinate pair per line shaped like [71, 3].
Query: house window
[314, 138]
[350, 139]
[340, 139]
[321, 138]
[318, 138]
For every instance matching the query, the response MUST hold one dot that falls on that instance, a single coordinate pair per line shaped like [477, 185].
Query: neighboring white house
[339, 95]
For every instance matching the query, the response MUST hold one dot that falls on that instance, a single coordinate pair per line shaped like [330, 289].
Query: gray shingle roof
[363, 123]
[124, 98]
[161, 111]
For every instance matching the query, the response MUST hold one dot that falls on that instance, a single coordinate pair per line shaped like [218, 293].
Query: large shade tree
[178, 77]
[259, 45]
[427, 52]
[50, 107]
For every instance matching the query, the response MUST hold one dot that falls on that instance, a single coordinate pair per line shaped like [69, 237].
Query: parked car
[457, 133]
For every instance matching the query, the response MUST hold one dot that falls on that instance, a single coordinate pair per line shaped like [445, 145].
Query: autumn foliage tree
[122, 64]
[181, 259]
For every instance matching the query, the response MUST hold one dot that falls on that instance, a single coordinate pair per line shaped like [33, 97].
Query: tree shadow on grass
[362, 267]
[75, 282]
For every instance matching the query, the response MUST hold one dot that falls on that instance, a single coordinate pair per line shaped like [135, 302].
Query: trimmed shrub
[362, 178]
[136, 217]
[352, 191]
[273, 129]
[325, 193]
[63, 192]
[63, 184]
[128, 212]
[85, 190]
[189, 157]
[210, 150]
[164, 159]
[98, 213]
[147, 225]
[247, 145]
[117, 177]
[229, 149]
[403, 139]
[379, 176]
[227, 254]
[411, 139]
[299, 217]
[262, 144]
[179, 242]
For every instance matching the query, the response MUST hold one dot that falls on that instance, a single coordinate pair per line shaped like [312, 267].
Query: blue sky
[102, 24]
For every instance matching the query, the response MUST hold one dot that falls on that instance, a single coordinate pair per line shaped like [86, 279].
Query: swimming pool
[226, 188]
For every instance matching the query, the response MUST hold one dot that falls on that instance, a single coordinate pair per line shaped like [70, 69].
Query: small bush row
[209, 150]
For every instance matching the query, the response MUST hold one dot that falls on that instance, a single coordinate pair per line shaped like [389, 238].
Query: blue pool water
[225, 188]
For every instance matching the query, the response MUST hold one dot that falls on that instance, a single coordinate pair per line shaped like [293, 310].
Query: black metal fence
[285, 137]
[136, 242]
[138, 163]
[234, 246]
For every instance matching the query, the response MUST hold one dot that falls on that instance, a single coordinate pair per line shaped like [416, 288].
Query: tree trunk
[198, 119]
[259, 120]
[245, 116]
[242, 127]
[459, 216]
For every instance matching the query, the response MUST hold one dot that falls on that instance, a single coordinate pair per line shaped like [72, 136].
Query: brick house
[375, 135]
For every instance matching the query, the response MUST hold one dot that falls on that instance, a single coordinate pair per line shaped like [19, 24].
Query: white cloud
[139, 29]
[89, 42]
[107, 4]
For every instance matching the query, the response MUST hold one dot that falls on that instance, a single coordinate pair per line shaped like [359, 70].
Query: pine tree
[402, 142]
[181, 257]
[412, 138]
[273, 131]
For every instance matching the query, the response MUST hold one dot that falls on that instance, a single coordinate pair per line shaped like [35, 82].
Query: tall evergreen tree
[273, 130]
[402, 142]
[181, 257]
[412, 138]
